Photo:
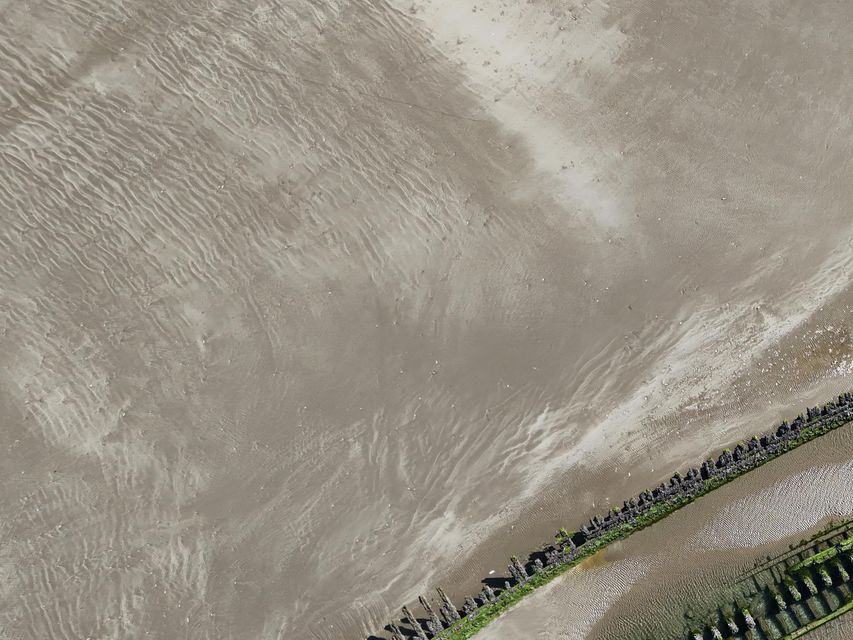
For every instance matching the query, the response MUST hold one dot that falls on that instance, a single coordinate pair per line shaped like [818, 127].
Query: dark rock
[516, 575]
[434, 626]
[447, 608]
[445, 615]
[810, 585]
[725, 460]
[487, 594]
[795, 593]
[519, 567]
[470, 606]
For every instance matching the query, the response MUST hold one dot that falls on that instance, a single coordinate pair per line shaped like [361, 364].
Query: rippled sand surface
[310, 306]
[836, 630]
[683, 562]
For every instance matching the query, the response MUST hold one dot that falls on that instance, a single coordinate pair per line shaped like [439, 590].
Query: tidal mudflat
[309, 307]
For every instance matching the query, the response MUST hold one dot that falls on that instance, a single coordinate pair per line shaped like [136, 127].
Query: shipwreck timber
[648, 507]
[790, 595]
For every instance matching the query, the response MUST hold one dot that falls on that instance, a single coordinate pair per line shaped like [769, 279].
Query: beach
[309, 308]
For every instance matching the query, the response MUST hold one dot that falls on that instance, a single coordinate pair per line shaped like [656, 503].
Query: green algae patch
[823, 556]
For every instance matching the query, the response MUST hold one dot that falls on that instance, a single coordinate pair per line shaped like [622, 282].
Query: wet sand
[835, 630]
[309, 307]
[645, 586]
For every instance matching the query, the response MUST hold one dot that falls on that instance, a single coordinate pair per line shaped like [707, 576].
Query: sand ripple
[793, 505]
[307, 306]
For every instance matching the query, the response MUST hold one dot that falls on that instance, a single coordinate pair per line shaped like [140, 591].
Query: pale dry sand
[311, 306]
